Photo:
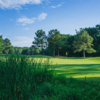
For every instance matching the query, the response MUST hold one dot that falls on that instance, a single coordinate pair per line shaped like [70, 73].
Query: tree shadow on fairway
[78, 70]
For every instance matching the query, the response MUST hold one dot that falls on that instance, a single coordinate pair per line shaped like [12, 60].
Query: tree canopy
[83, 42]
[1, 44]
[40, 40]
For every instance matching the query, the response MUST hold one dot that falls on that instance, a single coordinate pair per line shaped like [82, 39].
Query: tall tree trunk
[58, 52]
[84, 53]
[42, 50]
[54, 52]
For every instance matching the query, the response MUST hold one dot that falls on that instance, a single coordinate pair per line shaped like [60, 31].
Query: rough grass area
[22, 78]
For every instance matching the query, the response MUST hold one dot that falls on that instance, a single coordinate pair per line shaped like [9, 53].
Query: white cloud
[57, 6]
[15, 4]
[22, 41]
[42, 16]
[25, 28]
[25, 20]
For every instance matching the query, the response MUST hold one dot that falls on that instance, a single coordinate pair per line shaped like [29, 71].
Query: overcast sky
[20, 19]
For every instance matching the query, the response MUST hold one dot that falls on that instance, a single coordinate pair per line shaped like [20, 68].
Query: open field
[74, 67]
[35, 81]
[78, 67]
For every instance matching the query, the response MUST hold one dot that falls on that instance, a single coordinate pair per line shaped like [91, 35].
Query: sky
[20, 19]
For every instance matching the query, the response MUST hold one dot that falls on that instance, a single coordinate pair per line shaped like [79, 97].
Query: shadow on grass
[76, 66]
[79, 71]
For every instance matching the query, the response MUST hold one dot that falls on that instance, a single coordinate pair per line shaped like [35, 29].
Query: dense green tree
[1, 44]
[40, 40]
[19, 51]
[32, 50]
[51, 42]
[28, 51]
[95, 33]
[83, 42]
[54, 41]
[67, 47]
[11, 51]
[37, 51]
[24, 50]
[61, 42]
[7, 45]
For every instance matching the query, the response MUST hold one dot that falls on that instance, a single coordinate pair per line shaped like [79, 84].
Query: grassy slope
[46, 86]
[77, 67]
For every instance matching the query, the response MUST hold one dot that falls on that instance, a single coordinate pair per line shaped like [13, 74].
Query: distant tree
[37, 51]
[19, 51]
[7, 45]
[24, 50]
[28, 51]
[68, 39]
[95, 33]
[32, 50]
[40, 40]
[98, 28]
[1, 44]
[11, 51]
[54, 41]
[51, 42]
[60, 43]
[83, 41]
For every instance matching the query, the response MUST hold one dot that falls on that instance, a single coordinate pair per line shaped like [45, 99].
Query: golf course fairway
[78, 67]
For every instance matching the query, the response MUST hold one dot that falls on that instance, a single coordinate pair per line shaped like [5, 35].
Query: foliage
[83, 41]
[55, 41]
[40, 40]
[22, 78]
[11, 51]
[7, 45]
[19, 77]
[1, 44]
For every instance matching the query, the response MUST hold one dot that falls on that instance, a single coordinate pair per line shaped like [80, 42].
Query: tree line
[86, 42]
[7, 48]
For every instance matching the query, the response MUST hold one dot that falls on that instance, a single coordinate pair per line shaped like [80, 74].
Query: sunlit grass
[30, 78]
[78, 67]
[74, 67]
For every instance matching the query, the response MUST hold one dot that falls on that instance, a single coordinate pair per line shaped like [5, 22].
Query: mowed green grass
[76, 67]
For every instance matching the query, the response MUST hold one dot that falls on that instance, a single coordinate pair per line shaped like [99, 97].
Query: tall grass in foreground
[19, 77]
[23, 78]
